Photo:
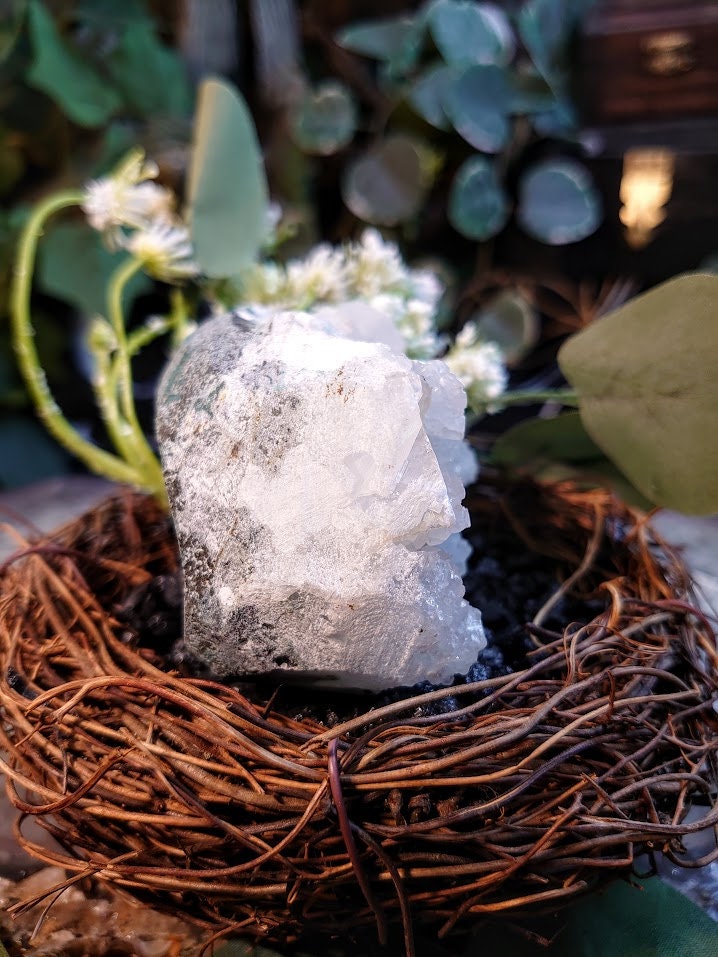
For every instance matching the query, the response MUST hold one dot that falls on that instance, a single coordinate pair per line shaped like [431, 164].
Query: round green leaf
[478, 206]
[558, 202]
[325, 119]
[381, 39]
[81, 92]
[477, 102]
[12, 14]
[385, 185]
[511, 322]
[646, 380]
[428, 92]
[227, 190]
[466, 32]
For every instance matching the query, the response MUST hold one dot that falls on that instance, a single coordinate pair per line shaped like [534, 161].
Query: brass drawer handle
[668, 53]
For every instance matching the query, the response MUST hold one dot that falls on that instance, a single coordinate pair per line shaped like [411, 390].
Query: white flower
[374, 266]
[479, 366]
[426, 286]
[417, 327]
[319, 277]
[165, 251]
[264, 284]
[127, 198]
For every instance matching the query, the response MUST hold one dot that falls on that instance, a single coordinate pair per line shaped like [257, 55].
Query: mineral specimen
[315, 481]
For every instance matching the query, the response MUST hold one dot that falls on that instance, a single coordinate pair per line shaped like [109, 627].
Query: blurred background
[576, 165]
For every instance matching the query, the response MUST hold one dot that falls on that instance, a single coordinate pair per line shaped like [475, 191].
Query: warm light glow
[645, 189]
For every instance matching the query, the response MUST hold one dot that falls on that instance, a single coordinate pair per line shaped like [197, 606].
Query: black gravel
[505, 579]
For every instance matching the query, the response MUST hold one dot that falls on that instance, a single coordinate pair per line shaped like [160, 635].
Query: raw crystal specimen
[314, 482]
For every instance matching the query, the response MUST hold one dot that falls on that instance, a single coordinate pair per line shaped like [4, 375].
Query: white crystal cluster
[316, 484]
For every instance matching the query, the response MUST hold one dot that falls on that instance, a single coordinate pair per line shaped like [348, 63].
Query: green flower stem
[527, 397]
[179, 316]
[135, 439]
[97, 460]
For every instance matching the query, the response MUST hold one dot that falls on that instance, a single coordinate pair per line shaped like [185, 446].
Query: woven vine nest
[217, 804]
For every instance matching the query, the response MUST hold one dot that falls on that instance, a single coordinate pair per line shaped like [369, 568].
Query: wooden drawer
[649, 60]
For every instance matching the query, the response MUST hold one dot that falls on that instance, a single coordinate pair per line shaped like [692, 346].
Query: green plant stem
[528, 397]
[97, 460]
[134, 439]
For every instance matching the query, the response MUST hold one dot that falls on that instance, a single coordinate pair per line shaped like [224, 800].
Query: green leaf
[546, 27]
[646, 378]
[511, 322]
[57, 70]
[379, 39]
[427, 93]
[74, 266]
[227, 189]
[385, 185]
[467, 33]
[325, 119]
[27, 453]
[537, 441]
[12, 15]
[477, 103]
[150, 76]
[558, 202]
[478, 206]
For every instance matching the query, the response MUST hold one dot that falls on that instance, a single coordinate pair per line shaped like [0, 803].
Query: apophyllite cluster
[316, 476]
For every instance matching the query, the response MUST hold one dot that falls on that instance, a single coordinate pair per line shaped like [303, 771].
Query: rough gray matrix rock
[313, 481]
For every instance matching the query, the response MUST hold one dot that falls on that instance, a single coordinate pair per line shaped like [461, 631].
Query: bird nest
[210, 800]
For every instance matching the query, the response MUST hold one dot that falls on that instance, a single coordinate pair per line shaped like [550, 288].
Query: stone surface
[314, 482]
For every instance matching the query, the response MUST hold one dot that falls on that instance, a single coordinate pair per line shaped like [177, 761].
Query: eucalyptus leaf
[559, 449]
[325, 119]
[559, 120]
[12, 16]
[558, 202]
[57, 70]
[150, 76]
[478, 206]
[379, 39]
[545, 27]
[511, 322]
[427, 94]
[647, 388]
[535, 442]
[227, 191]
[385, 185]
[477, 102]
[466, 32]
[74, 266]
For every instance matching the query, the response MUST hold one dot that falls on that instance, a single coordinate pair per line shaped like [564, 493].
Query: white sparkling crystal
[316, 485]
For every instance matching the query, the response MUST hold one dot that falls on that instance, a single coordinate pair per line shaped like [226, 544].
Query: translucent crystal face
[313, 479]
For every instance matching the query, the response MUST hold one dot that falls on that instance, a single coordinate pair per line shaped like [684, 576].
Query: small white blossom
[426, 286]
[319, 277]
[127, 198]
[417, 327]
[264, 284]
[165, 251]
[374, 266]
[479, 366]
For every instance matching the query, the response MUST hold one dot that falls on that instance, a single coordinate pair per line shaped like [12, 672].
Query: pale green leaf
[385, 185]
[12, 15]
[74, 266]
[427, 94]
[227, 190]
[150, 75]
[466, 32]
[511, 322]
[477, 102]
[546, 27]
[379, 39]
[558, 202]
[648, 391]
[478, 206]
[65, 76]
[325, 119]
